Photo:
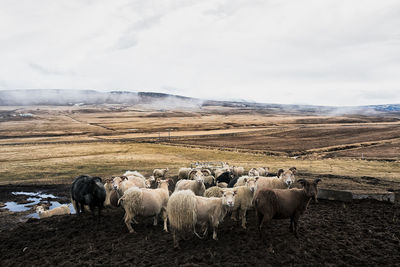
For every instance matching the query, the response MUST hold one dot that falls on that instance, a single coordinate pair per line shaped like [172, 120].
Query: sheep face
[108, 185]
[160, 183]
[228, 197]
[311, 188]
[148, 182]
[117, 182]
[288, 177]
[251, 183]
[198, 177]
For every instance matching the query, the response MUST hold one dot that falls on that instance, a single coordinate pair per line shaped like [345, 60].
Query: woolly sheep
[160, 173]
[196, 185]
[243, 199]
[262, 171]
[285, 180]
[222, 185]
[133, 173]
[145, 202]
[284, 203]
[213, 191]
[123, 183]
[253, 172]
[241, 181]
[185, 211]
[183, 173]
[237, 171]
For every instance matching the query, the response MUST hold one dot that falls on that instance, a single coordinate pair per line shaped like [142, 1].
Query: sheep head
[251, 183]
[311, 188]
[39, 209]
[228, 197]
[288, 177]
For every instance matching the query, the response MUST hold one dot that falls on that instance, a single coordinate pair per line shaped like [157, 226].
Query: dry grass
[59, 143]
[62, 162]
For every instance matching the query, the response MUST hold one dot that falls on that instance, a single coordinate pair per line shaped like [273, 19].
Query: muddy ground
[331, 233]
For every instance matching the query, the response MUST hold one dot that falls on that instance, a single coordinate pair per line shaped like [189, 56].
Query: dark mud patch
[331, 233]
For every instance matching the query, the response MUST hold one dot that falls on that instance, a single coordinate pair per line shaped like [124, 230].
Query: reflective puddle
[34, 198]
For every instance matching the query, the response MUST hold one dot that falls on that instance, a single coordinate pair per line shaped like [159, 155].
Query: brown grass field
[59, 143]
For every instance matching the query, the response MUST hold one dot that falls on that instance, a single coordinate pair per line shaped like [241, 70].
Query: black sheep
[233, 182]
[224, 178]
[87, 190]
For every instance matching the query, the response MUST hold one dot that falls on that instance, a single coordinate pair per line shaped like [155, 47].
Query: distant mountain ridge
[63, 97]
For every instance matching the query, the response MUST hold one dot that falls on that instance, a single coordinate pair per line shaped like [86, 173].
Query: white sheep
[214, 191]
[222, 185]
[283, 181]
[133, 173]
[237, 171]
[243, 199]
[242, 180]
[123, 183]
[185, 211]
[145, 202]
[160, 173]
[183, 173]
[253, 172]
[61, 210]
[262, 171]
[196, 185]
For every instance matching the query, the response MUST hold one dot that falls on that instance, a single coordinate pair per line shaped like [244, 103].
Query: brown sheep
[284, 203]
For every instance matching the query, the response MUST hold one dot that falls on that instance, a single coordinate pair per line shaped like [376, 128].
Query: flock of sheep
[202, 197]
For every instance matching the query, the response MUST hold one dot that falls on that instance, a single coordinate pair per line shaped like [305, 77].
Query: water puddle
[34, 198]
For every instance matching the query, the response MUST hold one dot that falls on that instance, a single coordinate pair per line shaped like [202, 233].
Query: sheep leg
[215, 232]
[155, 220]
[296, 220]
[165, 218]
[76, 207]
[176, 239]
[242, 215]
[128, 220]
[291, 224]
[234, 215]
[215, 223]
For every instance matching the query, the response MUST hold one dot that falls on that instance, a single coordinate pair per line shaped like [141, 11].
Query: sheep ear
[294, 170]
[124, 178]
[257, 178]
[280, 171]
[245, 180]
[316, 181]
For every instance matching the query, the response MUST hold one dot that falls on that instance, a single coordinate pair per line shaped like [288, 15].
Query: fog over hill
[65, 97]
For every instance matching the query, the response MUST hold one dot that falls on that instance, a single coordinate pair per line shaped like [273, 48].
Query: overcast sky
[278, 51]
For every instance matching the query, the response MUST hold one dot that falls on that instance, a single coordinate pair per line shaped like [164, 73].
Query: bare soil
[331, 233]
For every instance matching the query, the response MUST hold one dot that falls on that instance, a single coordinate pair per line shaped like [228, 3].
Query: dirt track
[331, 233]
